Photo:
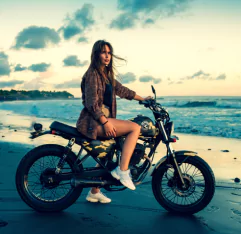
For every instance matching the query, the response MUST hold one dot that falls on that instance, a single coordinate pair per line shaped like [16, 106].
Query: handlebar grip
[143, 102]
[146, 103]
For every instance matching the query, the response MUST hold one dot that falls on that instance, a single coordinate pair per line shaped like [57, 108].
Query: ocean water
[211, 116]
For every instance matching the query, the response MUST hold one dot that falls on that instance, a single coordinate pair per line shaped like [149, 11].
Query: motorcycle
[51, 177]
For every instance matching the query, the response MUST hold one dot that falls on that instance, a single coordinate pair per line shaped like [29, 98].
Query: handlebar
[155, 107]
[148, 102]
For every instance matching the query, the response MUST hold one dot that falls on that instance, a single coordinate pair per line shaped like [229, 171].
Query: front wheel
[195, 196]
[42, 195]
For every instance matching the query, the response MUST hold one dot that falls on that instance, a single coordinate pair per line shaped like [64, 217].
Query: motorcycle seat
[71, 132]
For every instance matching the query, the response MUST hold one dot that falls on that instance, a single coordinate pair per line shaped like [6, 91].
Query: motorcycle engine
[138, 154]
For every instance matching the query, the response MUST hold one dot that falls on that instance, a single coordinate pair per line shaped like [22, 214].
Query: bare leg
[132, 132]
[95, 190]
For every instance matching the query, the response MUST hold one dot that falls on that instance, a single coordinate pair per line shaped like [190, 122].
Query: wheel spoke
[36, 185]
[189, 166]
[48, 192]
[35, 173]
[172, 190]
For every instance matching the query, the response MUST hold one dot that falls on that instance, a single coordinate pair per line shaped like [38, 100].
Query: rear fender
[185, 153]
[39, 133]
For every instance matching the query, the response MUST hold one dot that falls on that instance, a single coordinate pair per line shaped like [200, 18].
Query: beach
[130, 211]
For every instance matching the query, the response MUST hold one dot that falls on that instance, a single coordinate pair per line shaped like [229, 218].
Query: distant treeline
[12, 95]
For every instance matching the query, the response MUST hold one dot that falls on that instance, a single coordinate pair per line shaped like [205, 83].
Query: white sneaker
[97, 197]
[124, 177]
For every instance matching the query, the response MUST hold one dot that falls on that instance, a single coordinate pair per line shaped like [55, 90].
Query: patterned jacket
[93, 89]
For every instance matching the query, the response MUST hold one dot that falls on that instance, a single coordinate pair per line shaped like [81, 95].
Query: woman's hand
[139, 98]
[147, 98]
[110, 130]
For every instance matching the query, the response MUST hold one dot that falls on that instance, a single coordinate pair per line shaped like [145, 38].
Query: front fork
[171, 152]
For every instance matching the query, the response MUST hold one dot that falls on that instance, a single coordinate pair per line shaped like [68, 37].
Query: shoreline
[8, 114]
[40, 99]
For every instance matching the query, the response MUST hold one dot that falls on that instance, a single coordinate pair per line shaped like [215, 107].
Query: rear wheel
[199, 190]
[34, 183]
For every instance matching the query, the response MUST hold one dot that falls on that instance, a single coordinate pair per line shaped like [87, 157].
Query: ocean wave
[231, 99]
[197, 130]
[200, 104]
[209, 104]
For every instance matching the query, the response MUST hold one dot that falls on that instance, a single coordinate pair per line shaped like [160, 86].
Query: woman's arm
[139, 98]
[124, 92]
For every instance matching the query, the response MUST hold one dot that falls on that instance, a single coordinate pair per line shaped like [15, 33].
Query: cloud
[149, 21]
[145, 79]
[4, 65]
[19, 68]
[73, 60]
[39, 67]
[150, 78]
[157, 81]
[164, 7]
[221, 77]
[12, 83]
[128, 77]
[78, 23]
[200, 75]
[70, 31]
[124, 21]
[35, 37]
[142, 9]
[172, 82]
[74, 83]
[84, 16]
[83, 39]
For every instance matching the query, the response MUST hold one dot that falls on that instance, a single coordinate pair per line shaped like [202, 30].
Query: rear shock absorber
[67, 149]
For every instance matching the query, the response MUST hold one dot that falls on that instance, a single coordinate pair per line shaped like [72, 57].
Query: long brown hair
[95, 59]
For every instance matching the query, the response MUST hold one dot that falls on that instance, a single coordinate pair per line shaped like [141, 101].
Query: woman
[98, 118]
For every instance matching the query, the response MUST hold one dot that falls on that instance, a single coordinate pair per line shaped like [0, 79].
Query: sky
[182, 47]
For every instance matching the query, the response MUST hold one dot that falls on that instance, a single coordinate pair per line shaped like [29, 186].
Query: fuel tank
[148, 128]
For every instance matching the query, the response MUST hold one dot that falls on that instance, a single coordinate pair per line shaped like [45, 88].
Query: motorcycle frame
[102, 170]
[161, 136]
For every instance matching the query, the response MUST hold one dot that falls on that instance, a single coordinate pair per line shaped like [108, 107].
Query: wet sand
[130, 211]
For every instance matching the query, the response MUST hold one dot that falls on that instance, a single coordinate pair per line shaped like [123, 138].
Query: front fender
[186, 153]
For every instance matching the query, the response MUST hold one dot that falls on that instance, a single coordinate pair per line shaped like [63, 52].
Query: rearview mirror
[153, 90]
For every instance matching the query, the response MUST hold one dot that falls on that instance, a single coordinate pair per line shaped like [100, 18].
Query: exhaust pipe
[89, 183]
